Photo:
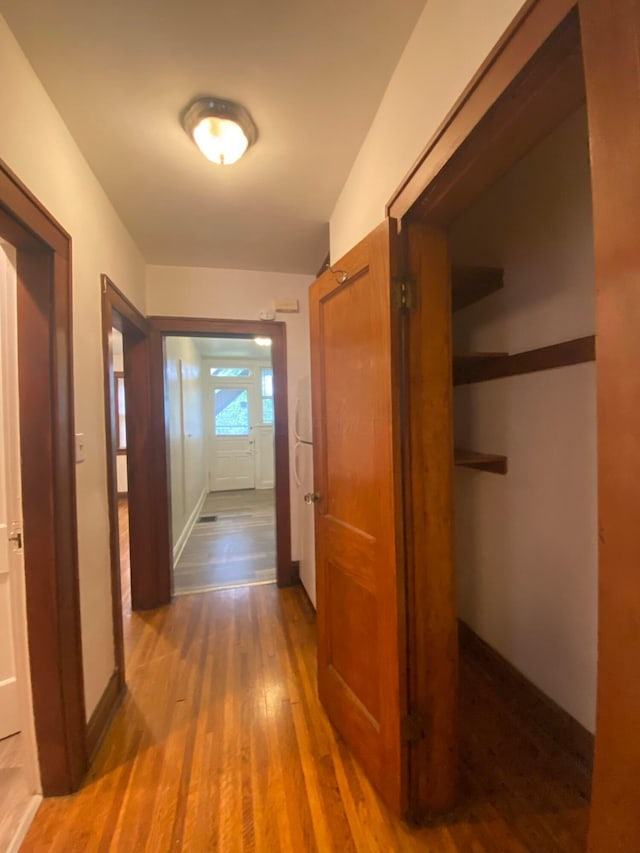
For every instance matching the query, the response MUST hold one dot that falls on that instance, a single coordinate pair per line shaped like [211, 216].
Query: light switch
[80, 450]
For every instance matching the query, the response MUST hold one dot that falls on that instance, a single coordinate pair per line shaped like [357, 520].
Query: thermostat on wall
[288, 306]
[267, 314]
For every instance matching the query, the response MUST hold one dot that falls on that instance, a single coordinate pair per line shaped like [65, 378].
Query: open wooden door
[364, 651]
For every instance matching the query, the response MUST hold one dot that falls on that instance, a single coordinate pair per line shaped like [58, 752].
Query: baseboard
[308, 598]
[181, 541]
[529, 699]
[295, 572]
[25, 822]
[104, 712]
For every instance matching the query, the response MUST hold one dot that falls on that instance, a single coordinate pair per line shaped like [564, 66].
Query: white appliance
[303, 475]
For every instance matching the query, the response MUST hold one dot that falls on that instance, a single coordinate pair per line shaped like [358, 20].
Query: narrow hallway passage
[221, 744]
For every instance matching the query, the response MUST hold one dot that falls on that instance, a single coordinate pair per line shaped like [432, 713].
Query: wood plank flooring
[16, 794]
[235, 549]
[221, 744]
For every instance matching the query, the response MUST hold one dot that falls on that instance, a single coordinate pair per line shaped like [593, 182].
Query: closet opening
[496, 224]
[525, 483]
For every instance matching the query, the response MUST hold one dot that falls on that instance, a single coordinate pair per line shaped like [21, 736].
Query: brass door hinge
[404, 292]
[413, 727]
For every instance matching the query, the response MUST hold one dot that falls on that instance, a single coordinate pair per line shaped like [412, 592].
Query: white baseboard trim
[25, 822]
[178, 547]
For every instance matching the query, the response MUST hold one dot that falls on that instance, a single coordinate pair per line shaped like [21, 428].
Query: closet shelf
[490, 462]
[470, 284]
[473, 366]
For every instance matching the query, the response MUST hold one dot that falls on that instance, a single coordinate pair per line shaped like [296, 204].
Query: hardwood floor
[16, 794]
[221, 744]
[233, 544]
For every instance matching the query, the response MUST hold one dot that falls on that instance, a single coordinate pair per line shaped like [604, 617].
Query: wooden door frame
[536, 76]
[47, 439]
[161, 327]
[148, 582]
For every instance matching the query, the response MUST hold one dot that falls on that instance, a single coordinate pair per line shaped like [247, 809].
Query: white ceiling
[311, 72]
[231, 348]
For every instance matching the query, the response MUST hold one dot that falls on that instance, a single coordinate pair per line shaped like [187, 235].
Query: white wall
[183, 377]
[240, 295]
[527, 542]
[448, 45]
[36, 145]
[117, 350]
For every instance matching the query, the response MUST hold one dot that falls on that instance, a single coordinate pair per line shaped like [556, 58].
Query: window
[232, 372]
[121, 420]
[267, 395]
[231, 411]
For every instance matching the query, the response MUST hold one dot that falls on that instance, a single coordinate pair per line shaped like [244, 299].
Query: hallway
[232, 544]
[221, 744]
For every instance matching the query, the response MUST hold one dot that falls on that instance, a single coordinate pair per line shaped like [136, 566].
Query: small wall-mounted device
[287, 306]
[267, 314]
[80, 449]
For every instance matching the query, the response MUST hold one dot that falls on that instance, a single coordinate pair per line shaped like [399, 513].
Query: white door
[231, 442]
[11, 562]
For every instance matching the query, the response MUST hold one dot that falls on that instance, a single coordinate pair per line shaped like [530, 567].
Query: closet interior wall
[526, 541]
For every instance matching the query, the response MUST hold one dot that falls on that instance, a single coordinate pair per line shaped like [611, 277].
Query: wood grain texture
[485, 131]
[470, 284]
[48, 482]
[359, 565]
[528, 701]
[611, 45]
[491, 462]
[431, 606]
[103, 713]
[221, 744]
[202, 327]
[481, 367]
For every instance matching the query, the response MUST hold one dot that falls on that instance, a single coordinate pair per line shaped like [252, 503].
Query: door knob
[312, 498]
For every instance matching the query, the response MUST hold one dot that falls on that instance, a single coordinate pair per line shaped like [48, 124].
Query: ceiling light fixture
[263, 342]
[222, 130]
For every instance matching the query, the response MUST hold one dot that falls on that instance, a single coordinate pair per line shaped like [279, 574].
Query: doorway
[220, 411]
[19, 779]
[52, 660]
[245, 417]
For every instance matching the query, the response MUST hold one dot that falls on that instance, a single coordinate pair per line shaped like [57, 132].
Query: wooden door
[361, 616]
[383, 460]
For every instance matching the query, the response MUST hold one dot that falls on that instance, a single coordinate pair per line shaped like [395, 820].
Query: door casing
[161, 327]
[45, 380]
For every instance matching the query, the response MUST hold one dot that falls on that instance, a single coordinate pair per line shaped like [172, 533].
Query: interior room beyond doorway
[219, 394]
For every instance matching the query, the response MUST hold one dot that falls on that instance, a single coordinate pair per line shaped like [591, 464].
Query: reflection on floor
[221, 744]
[16, 798]
[232, 544]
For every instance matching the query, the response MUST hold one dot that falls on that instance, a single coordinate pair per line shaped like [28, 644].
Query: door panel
[232, 460]
[361, 618]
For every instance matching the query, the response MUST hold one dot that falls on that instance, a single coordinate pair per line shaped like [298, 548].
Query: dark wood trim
[611, 46]
[528, 700]
[471, 284]
[149, 560]
[202, 327]
[481, 367]
[27, 211]
[295, 573]
[521, 92]
[490, 462]
[48, 483]
[428, 506]
[104, 713]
